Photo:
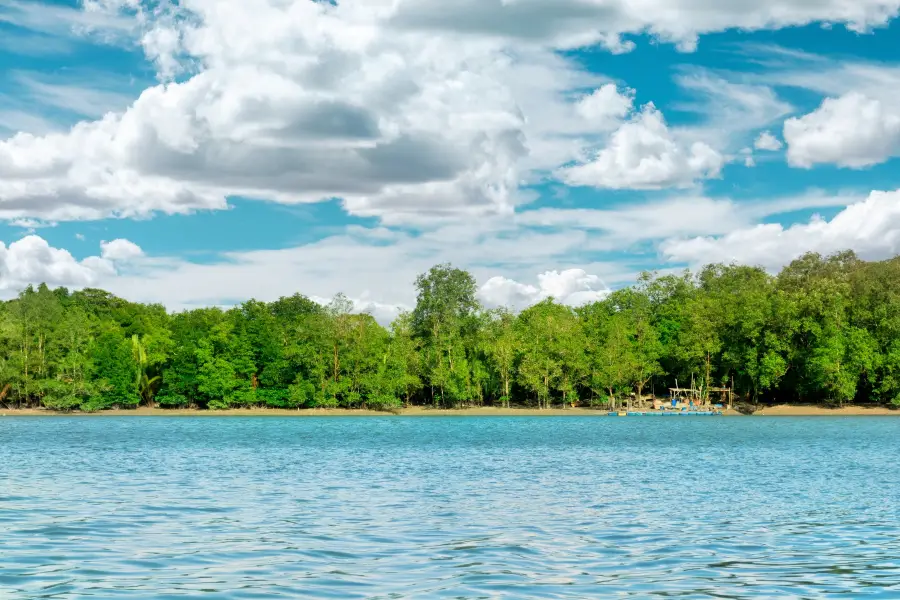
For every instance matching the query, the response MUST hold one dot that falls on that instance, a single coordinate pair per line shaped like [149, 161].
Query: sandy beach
[791, 410]
[784, 410]
[416, 411]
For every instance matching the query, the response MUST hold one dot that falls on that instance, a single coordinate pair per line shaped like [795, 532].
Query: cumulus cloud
[316, 101]
[571, 286]
[406, 110]
[645, 154]
[380, 278]
[120, 250]
[605, 106]
[871, 227]
[852, 130]
[31, 260]
[767, 141]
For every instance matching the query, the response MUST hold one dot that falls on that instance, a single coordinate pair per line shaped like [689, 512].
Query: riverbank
[416, 411]
[792, 410]
[783, 410]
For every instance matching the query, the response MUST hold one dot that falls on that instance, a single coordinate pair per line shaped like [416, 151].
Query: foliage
[823, 330]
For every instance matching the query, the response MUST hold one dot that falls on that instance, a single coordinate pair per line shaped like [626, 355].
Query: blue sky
[552, 148]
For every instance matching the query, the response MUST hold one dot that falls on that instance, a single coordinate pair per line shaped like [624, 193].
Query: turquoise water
[449, 507]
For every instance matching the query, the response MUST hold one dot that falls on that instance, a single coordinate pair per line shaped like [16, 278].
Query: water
[449, 507]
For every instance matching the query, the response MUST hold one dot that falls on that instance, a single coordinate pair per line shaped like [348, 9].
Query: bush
[172, 401]
[384, 402]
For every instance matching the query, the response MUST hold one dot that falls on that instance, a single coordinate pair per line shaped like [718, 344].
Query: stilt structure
[726, 395]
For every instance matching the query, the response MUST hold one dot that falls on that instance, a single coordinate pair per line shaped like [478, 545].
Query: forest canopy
[823, 330]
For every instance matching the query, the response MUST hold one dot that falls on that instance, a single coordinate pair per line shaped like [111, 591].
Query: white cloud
[628, 226]
[385, 262]
[297, 101]
[856, 124]
[729, 108]
[311, 101]
[822, 74]
[383, 313]
[850, 131]
[14, 120]
[504, 255]
[31, 260]
[871, 227]
[767, 141]
[605, 107]
[625, 225]
[74, 96]
[574, 287]
[120, 250]
[380, 278]
[645, 154]
[747, 153]
[61, 20]
[31, 224]
[572, 23]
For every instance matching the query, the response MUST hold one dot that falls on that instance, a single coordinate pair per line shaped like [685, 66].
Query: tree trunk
[546, 391]
[335, 363]
[41, 353]
[707, 376]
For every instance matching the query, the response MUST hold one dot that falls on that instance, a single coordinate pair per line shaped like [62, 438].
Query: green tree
[553, 361]
[404, 357]
[443, 320]
[609, 350]
[114, 370]
[502, 348]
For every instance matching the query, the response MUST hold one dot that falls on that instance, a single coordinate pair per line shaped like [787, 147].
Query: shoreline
[800, 410]
[784, 410]
[416, 411]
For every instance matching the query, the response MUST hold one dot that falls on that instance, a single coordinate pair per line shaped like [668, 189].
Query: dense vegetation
[823, 330]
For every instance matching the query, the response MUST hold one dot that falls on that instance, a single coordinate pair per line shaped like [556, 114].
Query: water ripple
[448, 508]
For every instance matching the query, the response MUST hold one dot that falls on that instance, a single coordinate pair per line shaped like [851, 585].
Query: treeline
[824, 330]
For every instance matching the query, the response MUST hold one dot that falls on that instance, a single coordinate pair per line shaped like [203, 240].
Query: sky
[205, 152]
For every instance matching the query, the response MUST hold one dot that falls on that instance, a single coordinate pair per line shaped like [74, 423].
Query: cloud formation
[850, 131]
[407, 110]
[574, 23]
[120, 250]
[571, 286]
[870, 227]
[767, 141]
[31, 260]
[430, 116]
[645, 154]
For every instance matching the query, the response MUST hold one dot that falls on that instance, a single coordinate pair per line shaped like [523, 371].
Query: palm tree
[143, 382]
